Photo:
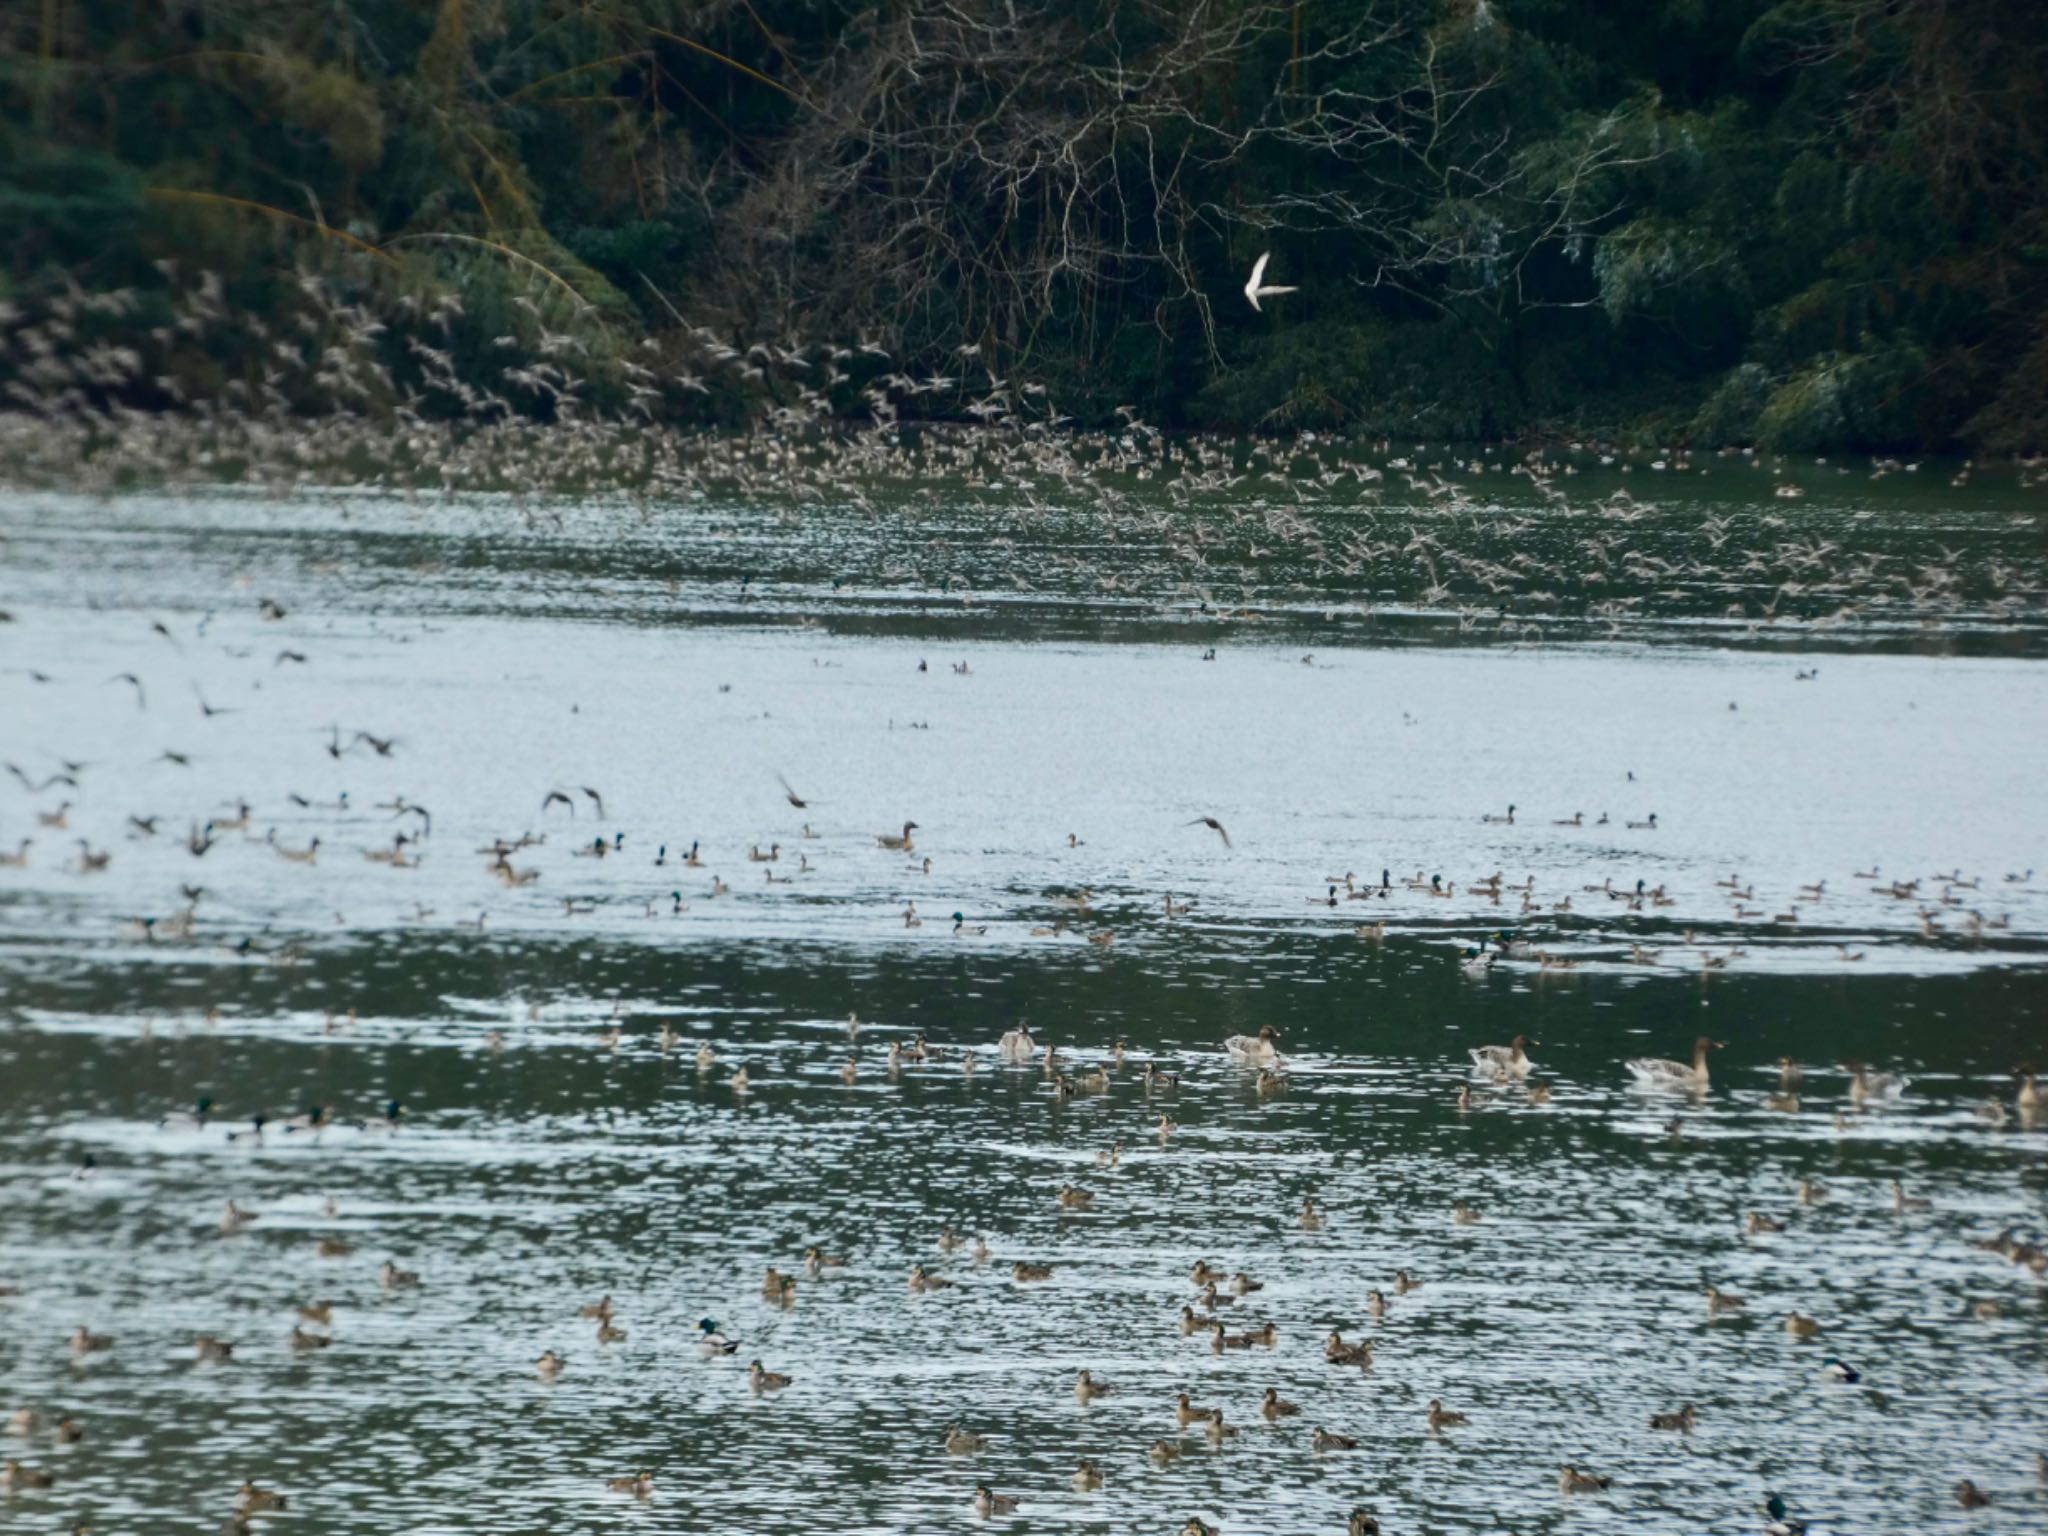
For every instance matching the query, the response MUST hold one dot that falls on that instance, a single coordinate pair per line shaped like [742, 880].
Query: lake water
[1846, 784]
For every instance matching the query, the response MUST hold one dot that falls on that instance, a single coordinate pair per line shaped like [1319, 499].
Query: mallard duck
[1903, 1202]
[1782, 1524]
[1311, 1219]
[1221, 1339]
[1192, 1321]
[1539, 1093]
[817, 1261]
[1216, 1429]
[14, 1475]
[301, 1342]
[1266, 1336]
[1337, 1352]
[1758, 1223]
[548, 1366]
[599, 1309]
[1110, 1156]
[1167, 1126]
[68, 1431]
[1812, 1192]
[1839, 1370]
[1782, 1103]
[1800, 1326]
[1197, 1526]
[1277, 1407]
[1511, 1059]
[987, 1502]
[1682, 1421]
[2028, 1099]
[24, 1421]
[250, 1499]
[1674, 1076]
[1970, 1496]
[640, 1484]
[1186, 1413]
[1363, 1523]
[1087, 1388]
[392, 1278]
[706, 1057]
[1571, 1480]
[765, 1380]
[1441, 1418]
[333, 1248]
[1074, 1198]
[1321, 1439]
[710, 1341]
[771, 1284]
[1203, 1275]
[1163, 1453]
[960, 1442]
[1254, 1050]
[1464, 1216]
[922, 1280]
[1030, 1274]
[1375, 1304]
[1865, 1085]
[1474, 961]
[1403, 1284]
[85, 1342]
[1016, 1046]
[1722, 1303]
[609, 1332]
[1268, 1083]
[1243, 1284]
[1087, 1477]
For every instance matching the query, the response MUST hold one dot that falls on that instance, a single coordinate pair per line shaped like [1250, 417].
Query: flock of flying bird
[1198, 528]
[1135, 518]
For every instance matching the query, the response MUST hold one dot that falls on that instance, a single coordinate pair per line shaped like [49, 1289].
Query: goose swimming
[1255, 1050]
[1675, 1076]
[1511, 1059]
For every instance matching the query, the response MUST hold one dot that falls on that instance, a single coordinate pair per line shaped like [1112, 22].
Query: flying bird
[141, 699]
[1213, 825]
[1255, 290]
[793, 797]
[553, 796]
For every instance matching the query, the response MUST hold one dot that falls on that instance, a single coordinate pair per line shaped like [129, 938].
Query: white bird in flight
[1254, 290]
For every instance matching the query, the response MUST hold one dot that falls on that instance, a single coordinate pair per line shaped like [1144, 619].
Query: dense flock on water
[1248, 1376]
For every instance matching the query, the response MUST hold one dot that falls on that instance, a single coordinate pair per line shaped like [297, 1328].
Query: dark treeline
[1808, 224]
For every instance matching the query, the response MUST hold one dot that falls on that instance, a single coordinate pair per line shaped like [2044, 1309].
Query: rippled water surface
[1848, 806]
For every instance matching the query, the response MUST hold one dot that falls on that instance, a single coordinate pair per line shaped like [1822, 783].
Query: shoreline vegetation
[1816, 226]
